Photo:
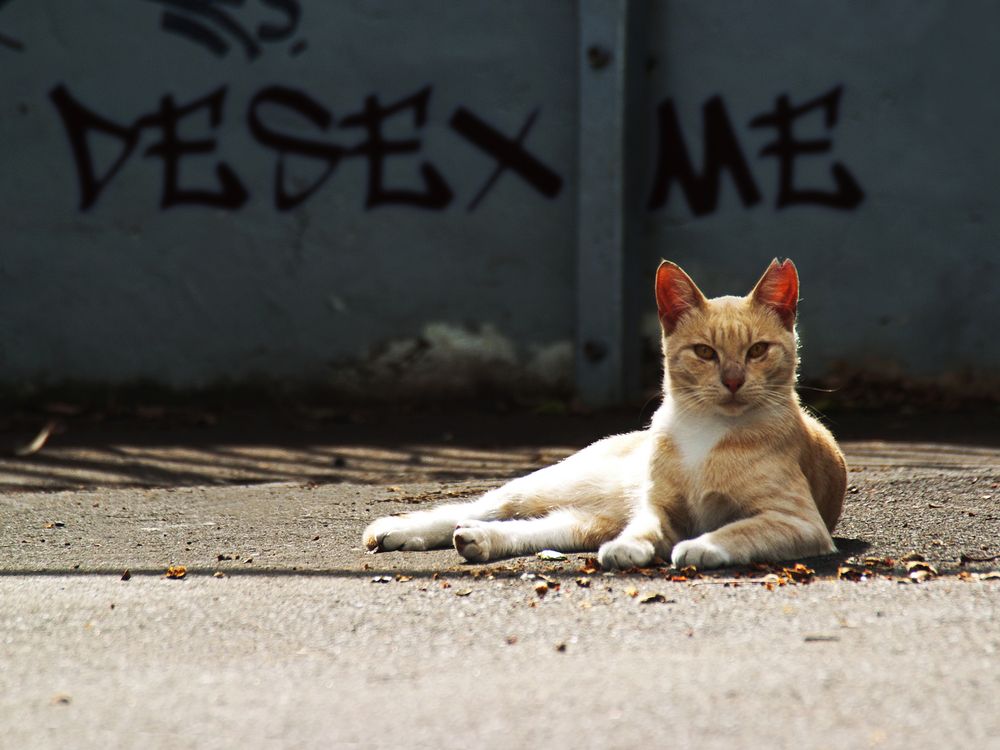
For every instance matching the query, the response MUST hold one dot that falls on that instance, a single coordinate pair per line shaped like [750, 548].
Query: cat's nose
[733, 381]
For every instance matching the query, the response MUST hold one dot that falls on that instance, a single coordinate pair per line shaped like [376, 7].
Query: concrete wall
[252, 211]
[142, 277]
[903, 273]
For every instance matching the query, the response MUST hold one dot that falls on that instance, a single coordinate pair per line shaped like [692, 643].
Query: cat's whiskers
[814, 388]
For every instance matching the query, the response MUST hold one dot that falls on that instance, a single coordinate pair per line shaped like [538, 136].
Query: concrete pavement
[304, 641]
[278, 661]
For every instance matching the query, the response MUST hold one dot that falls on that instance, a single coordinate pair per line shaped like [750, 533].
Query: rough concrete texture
[305, 641]
[278, 661]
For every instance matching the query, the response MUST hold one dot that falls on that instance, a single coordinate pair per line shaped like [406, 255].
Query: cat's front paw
[622, 554]
[392, 533]
[472, 542]
[700, 552]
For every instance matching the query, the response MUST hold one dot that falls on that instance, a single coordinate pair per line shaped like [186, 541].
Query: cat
[731, 470]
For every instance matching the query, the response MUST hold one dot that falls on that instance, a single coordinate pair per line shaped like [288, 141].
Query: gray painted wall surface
[908, 279]
[192, 294]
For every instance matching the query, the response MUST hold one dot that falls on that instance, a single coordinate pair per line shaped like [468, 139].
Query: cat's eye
[704, 351]
[758, 350]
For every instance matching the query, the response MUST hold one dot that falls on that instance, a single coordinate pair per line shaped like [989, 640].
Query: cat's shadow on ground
[823, 565]
[846, 548]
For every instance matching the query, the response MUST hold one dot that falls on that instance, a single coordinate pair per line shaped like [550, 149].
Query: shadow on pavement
[384, 448]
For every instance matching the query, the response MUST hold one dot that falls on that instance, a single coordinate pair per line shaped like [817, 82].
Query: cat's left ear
[778, 289]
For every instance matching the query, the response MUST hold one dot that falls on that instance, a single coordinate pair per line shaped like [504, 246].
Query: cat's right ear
[676, 295]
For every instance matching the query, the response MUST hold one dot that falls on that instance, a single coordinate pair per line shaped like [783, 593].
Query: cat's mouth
[732, 404]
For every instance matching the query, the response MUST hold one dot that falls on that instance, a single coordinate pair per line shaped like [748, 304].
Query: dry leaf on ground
[847, 573]
[799, 573]
[688, 572]
[655, 598]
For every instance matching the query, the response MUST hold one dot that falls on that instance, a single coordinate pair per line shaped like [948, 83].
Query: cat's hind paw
[472, 542]
[392, 533]
[622, 554]
[700, 552]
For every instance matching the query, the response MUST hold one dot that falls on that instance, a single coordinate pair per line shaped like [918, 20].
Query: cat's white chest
[694, 439]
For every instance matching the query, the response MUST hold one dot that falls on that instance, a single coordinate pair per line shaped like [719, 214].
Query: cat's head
[729, 355]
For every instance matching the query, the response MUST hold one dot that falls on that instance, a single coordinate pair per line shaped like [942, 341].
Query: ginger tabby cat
[730, 471]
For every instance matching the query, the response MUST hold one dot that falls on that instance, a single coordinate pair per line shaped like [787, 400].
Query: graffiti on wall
[230, 192]
[210, 26]
[7, 41]
[722, 152]
[251, 28]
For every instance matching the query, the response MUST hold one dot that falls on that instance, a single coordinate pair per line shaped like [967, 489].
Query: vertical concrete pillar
[607, 335]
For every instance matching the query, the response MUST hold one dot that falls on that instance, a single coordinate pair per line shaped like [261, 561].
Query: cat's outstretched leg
[526, 497]
[429, 529]
[585, 481]
[566, 530]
